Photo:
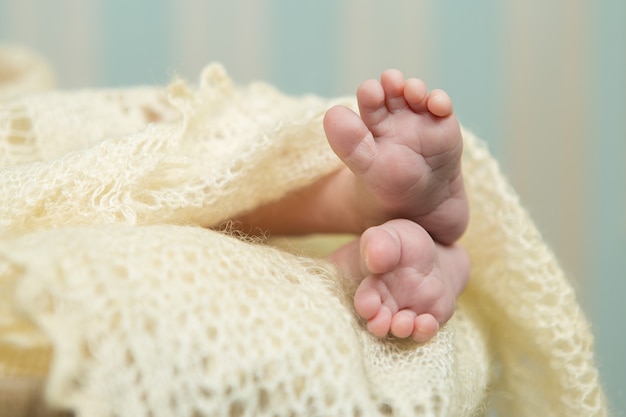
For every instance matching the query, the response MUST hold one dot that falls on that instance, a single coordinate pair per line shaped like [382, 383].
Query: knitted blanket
[118, 299]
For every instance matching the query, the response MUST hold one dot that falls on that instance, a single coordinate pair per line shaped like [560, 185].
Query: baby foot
[404, 154]
[408, 283]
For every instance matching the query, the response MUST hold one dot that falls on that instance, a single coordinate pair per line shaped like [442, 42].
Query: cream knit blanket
[115, 298]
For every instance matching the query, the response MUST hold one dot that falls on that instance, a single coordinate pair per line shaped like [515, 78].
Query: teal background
[544, 83]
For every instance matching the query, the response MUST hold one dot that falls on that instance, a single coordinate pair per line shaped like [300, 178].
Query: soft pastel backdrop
[544, 83]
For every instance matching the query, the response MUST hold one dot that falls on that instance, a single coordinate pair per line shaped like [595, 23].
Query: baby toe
[403, 323]
[439, 103]
[367, 299]
[425, 328]
[379, 325]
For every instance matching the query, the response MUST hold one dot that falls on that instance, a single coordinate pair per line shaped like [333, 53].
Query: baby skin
[402, 190]
[404, 157]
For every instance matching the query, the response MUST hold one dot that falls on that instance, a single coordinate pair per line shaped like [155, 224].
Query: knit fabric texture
[117, 298]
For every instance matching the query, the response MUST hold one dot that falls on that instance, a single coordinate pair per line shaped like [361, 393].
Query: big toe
[349, 138]
[381, 249]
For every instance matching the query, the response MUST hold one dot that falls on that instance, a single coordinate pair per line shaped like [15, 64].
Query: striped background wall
[543, 82]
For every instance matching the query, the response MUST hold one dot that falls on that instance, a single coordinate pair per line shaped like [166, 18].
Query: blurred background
[544, 83]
